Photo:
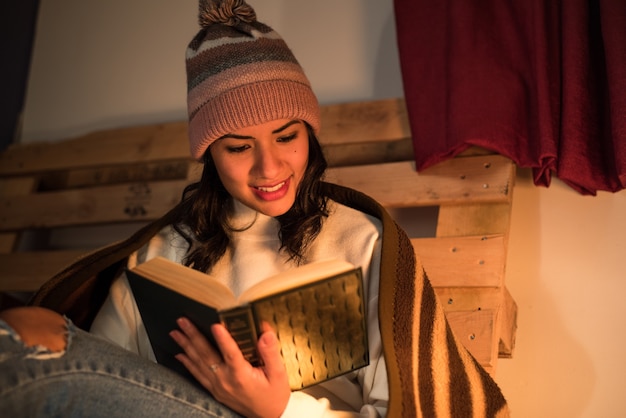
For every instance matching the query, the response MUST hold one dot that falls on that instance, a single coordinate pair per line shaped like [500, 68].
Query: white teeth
[271, 189]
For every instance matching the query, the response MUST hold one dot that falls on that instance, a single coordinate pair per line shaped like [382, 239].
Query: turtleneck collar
[254, 223]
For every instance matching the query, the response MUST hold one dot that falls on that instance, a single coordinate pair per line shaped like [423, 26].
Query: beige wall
[118, 62]
[566, 270]
[115, 63]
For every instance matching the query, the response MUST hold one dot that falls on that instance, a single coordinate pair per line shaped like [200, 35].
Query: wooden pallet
[134, 175]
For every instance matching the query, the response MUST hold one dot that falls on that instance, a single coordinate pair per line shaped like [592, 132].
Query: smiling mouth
[271, 189]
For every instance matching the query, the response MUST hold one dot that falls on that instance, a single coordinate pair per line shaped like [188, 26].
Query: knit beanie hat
[241, 73]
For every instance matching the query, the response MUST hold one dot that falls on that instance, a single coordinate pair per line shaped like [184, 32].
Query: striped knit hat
[241, 73]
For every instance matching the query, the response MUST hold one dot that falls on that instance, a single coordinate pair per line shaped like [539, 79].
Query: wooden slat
[469, 299]
[508, 325]
[120, 203]
[460, 180]
[8, 242]
[476, 261]
[383, 120]
[396, 184]
[473, 219]
[117, 174]
[464, 299]
[115, 146]
[27, 271]
[14, 187]
[368, 153]
[360, 122]
[475, 330]
[17, 186]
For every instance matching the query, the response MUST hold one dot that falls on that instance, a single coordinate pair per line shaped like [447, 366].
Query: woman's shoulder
[348, 234]
[347, 218]
[167, 243]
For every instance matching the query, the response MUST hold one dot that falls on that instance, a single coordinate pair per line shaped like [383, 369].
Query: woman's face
[262, 165]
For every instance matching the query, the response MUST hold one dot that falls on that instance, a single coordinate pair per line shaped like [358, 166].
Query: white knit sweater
[346, 234]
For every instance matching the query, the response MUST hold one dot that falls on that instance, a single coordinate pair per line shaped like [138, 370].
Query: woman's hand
[231, 379]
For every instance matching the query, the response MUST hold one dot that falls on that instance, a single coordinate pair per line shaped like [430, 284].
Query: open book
[317, 311]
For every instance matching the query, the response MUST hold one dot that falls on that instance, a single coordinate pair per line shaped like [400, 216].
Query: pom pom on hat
[240, 73]
[225, 12]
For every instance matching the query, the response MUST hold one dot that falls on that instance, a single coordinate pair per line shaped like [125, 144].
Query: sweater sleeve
[301, 404]
[119, 321]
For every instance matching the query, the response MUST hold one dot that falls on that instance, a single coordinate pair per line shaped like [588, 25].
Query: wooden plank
[115, 146]
[456, 181]
[8, 242]
[473, 219]
[369, 121]
[476, 261]
[27, 271]
[18, 186]
[116, 174]
[340, 155]
[118, 203]
[508, 325]
[475, 330]
[455, 299]
[383, 120]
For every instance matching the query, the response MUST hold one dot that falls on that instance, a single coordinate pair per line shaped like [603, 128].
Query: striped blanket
[430, 373]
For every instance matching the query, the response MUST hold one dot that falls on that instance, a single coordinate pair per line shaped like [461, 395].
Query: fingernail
[182, 322]
[268, 338]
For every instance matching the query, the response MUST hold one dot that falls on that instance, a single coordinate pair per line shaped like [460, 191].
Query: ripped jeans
[93, 378]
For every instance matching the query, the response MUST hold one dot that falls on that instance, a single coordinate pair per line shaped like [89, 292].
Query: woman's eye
[288, 138]
[237, 149]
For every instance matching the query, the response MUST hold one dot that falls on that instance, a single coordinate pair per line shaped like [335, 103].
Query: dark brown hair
[207, 206]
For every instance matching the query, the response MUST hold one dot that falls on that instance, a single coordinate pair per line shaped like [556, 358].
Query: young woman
[261, 185]
[259, 208]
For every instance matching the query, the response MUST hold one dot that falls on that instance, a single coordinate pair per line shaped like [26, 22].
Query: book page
[194, 284]
[203, 288]
[295, 277]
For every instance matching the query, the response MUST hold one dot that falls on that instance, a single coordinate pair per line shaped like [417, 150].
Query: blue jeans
[93, 378]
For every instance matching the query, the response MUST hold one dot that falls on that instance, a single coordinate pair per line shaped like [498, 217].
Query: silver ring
[214, 367]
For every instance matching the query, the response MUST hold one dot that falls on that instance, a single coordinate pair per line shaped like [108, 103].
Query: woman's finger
[197, 349]
[227, 345]
[269, 351]
[202, 377]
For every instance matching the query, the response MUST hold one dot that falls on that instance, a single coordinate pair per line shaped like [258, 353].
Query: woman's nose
[267, 163]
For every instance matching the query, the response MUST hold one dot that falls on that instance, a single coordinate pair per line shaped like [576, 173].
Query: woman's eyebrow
[275, 131]
[235, 136]
[285, 126]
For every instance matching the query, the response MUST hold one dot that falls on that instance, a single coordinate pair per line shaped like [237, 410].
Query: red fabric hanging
[542, 82]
